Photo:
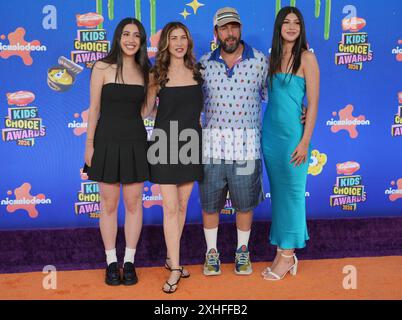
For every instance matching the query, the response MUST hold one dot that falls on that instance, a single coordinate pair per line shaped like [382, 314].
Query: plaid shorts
[243, 180]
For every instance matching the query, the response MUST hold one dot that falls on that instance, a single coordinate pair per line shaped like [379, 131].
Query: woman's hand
[299, 156]
[303, 116]
[89, 152]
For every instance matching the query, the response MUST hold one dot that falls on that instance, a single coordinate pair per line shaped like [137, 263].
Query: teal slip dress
[281, 133]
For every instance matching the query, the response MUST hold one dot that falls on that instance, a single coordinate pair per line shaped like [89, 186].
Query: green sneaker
[242, 262]
[212, 265]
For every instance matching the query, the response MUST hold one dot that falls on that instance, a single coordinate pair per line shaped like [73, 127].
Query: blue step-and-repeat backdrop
[48, 46]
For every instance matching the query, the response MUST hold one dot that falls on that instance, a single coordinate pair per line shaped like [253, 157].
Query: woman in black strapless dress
[120, 141]
[179, 109]
[116, 146]
[174, 164]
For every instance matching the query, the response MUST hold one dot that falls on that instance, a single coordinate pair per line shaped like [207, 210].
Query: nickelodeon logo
[24, 200]
[395, 194]
[152, 196]
[18, 46]
[398, 52]
[80, 127]
[347, 121]
[154, 40]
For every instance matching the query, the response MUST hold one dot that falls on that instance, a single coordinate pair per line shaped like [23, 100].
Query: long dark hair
[162, 59]
[275, 60]
[115, 55]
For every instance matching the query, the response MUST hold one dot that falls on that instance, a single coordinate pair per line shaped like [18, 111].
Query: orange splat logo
[25, 201]
[81, 128]
[347, 121]
[154, 199]
[154, 39]
[19, 47]
[395, 194]
[398, 52]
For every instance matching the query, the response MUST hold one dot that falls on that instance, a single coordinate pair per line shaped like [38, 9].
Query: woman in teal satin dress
[293, 74]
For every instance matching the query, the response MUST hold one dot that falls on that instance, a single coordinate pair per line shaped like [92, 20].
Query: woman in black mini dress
[116, 146]
[175, 150]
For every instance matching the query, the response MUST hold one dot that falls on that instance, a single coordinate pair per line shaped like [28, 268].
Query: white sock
[242, 238]
[211, 236]
[129, 255]
[111, 256]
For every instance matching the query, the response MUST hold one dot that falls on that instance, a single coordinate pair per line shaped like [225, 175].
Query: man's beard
[229, 48]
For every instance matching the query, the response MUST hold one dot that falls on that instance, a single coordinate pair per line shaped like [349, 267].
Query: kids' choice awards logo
[88, 198]
[91, 43]
[348, 190]
[395, 191]
[396, 128]
[22, 124]
[347, 121]
[398, 51]
[354, 48]
[149, 124]
[228, 207]
[19, 47]
[23, 200]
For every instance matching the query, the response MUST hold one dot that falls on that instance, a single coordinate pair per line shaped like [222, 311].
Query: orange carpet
[377, 278]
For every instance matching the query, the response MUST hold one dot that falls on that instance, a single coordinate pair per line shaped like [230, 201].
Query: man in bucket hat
[235, 83]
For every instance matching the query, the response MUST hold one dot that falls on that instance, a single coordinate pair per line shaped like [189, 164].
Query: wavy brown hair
[162, 59]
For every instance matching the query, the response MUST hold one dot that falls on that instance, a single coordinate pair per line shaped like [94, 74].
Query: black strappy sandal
[183, 275]
[171, 290]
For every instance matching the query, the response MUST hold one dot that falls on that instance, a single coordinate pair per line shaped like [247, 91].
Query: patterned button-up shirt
[232, 106]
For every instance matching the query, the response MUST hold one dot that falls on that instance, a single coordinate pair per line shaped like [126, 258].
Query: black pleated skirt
[119, 162]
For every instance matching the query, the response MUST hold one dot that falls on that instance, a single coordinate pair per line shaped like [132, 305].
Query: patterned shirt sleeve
[264, 86]
[202, 64]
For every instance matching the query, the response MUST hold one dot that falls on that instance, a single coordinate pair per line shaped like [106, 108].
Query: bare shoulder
[105, 71]
[308, 58]
[101, 65]
[100, 68]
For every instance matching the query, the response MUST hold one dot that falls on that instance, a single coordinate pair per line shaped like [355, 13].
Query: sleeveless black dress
[120, 142]
[179, 107]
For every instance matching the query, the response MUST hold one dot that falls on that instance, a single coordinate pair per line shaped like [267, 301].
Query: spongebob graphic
[62, 77]
[317, 162]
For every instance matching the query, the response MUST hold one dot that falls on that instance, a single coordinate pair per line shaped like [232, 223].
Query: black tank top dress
[179, 109]
[120, 141]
